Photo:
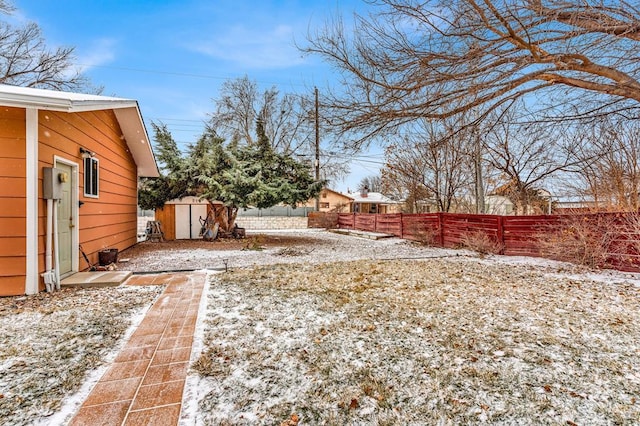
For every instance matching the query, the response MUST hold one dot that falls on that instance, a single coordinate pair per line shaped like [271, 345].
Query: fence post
[375, 223]
[500, 234]
[401, 226]
[441, 226]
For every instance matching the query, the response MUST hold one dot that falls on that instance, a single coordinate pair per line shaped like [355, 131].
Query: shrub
[255, 243]
[423, 234]
[587, 240]
[481, 242]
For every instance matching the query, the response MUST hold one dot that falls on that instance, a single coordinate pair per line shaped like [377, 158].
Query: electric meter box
[52, 180]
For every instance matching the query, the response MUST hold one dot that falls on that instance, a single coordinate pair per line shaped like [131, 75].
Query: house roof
[338, 193]
[191, 200]
[373, 197]
[127, 113]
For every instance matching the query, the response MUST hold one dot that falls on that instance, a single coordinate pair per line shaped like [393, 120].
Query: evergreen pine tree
[238, 176]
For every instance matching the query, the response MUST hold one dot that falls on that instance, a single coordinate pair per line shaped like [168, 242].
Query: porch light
[86, 153]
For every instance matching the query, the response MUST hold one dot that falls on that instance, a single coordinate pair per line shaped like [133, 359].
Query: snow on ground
[448, 340]
[52, 342]
[270, 247]
[310, 327]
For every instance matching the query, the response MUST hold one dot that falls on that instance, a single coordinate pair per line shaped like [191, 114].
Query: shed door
[65, 222]
[187, 220]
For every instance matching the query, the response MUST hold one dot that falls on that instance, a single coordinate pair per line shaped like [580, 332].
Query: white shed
[182, 218]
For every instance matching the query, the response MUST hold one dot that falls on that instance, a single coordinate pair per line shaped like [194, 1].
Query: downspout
[48, 275]
[56, 267]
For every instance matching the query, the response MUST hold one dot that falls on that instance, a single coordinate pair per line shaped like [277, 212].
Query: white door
[65, 222]
[187, 220]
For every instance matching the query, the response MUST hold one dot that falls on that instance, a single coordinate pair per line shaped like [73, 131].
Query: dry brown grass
[419, 342]
[50, 341]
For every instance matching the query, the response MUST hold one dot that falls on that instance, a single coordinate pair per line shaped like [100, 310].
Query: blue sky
[173, 55]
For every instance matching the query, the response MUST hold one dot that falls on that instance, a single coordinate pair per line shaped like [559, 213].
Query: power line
[184, 74]
[177, 119]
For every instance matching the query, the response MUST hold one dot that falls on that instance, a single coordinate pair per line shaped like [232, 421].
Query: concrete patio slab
[96, 279]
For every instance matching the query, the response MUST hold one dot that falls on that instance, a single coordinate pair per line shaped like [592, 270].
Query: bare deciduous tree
[288, 120]
[25, 59]
[372, 183]
[415, 59]
[610, 165]
[5, 7]
[526, 157]
[430, 165]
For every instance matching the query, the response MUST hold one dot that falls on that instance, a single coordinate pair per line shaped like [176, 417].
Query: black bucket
[107, 257]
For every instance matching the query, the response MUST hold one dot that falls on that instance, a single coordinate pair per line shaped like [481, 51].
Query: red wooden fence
[514, 235]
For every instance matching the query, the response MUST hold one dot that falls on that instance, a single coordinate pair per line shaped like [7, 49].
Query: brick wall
[323, 220]
[271, 222]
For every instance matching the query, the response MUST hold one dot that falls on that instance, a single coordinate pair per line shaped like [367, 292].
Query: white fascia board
[52, 100]
[64, 105]
[127, 112]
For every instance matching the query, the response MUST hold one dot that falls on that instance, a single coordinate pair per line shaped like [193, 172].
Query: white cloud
[253, 48]
[97, 52]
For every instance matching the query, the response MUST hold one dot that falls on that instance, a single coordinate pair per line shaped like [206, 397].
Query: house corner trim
[32, 280]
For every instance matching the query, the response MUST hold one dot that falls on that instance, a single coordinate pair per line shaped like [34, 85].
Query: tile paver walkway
[144, 385]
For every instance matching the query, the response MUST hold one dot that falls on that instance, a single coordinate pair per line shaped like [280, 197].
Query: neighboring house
[332, 201]
[373, 202]
[498, 205]
[575, 205]
[70, 157]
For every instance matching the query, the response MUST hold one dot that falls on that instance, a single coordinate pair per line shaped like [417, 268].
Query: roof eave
[135, 134]
[63, 106]
[127, 113]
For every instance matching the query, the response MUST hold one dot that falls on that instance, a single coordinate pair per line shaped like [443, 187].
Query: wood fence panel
[346, 220]
[522, 233]
[328, 220]
[617, 233]
[365, 222]
[459, 226]
[389, 224]
[423, 227]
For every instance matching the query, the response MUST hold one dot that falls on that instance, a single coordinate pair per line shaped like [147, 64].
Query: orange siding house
[332, 201]
[92, 149]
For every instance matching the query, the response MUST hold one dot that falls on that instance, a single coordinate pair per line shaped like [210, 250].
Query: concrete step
[96, 279]
[362, 234]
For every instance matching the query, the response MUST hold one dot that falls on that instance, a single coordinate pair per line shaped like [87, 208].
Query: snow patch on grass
[54, 343]
[451, 341]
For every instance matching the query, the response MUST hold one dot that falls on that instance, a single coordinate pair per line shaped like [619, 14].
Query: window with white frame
[91, 171]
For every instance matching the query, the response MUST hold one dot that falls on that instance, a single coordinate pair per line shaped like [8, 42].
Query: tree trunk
[225, 217]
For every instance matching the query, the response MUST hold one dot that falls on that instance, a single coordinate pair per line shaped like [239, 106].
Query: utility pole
[317, 162]
[477, 160]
